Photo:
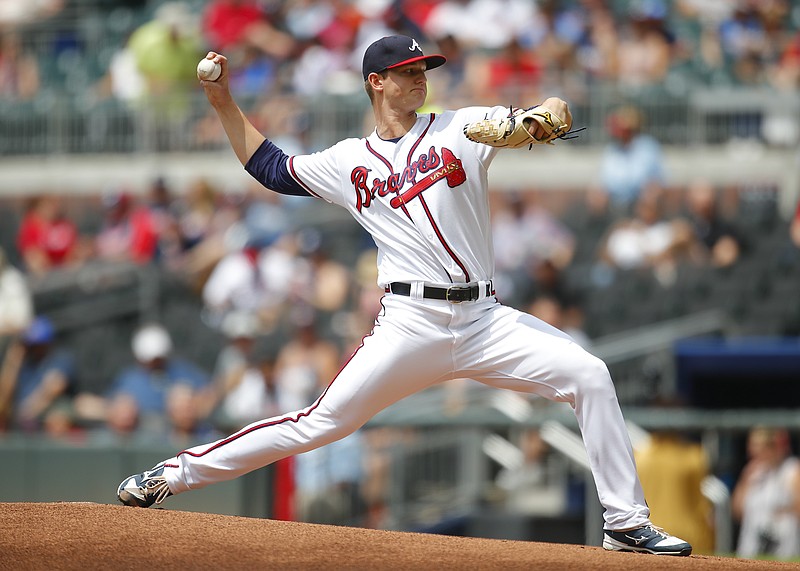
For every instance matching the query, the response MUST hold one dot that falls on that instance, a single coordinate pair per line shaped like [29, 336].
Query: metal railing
[441, 474]
[657, 336]
[64, 124]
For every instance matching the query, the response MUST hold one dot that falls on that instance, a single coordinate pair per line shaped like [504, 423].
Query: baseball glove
[514, 131]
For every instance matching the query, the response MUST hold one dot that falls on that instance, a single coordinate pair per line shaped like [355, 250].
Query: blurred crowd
[499, 51]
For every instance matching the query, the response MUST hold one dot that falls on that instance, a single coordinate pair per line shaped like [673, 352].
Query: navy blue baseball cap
[394, 51]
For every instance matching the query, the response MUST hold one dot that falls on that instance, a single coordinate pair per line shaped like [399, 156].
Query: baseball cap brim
[432, 61]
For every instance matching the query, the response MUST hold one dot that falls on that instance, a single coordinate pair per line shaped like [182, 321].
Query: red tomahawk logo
[451, 171]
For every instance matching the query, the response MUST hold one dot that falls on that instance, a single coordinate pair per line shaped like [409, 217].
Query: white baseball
[208, 70]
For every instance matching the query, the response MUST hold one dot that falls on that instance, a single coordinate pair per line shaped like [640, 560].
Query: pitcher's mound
[51, 536]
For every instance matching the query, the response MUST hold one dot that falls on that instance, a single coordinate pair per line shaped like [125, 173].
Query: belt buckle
[455, 288]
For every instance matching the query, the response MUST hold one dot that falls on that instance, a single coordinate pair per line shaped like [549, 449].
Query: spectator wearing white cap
[141, 396]
[16, 301]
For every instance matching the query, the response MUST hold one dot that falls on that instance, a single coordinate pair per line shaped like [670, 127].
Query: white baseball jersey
[436, 230]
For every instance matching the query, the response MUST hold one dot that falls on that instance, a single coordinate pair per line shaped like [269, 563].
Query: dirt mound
[54, 536]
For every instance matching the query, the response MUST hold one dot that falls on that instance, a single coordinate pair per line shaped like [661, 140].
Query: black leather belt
[453, 294]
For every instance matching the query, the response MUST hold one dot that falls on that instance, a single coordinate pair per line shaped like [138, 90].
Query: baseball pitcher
[418, 185]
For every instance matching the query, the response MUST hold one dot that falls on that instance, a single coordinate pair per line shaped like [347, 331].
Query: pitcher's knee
[346, 430]
[339, 427]
[592, 375]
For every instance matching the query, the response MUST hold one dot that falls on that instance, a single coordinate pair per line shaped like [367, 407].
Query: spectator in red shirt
[46, 239]
[129, 231]
[231, 25]
[510, 75]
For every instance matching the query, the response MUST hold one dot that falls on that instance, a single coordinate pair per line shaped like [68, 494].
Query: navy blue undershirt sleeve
[268, 166]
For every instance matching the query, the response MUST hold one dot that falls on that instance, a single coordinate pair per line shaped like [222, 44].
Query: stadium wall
[546, 168]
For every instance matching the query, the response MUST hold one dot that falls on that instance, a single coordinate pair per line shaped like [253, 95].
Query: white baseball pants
[417, 343]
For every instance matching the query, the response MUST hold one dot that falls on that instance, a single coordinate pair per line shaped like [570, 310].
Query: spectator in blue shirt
[140, 396]
[37, 382]
[633, 162]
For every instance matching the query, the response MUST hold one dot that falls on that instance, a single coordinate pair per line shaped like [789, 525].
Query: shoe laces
[659, 530]
[157, 487]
